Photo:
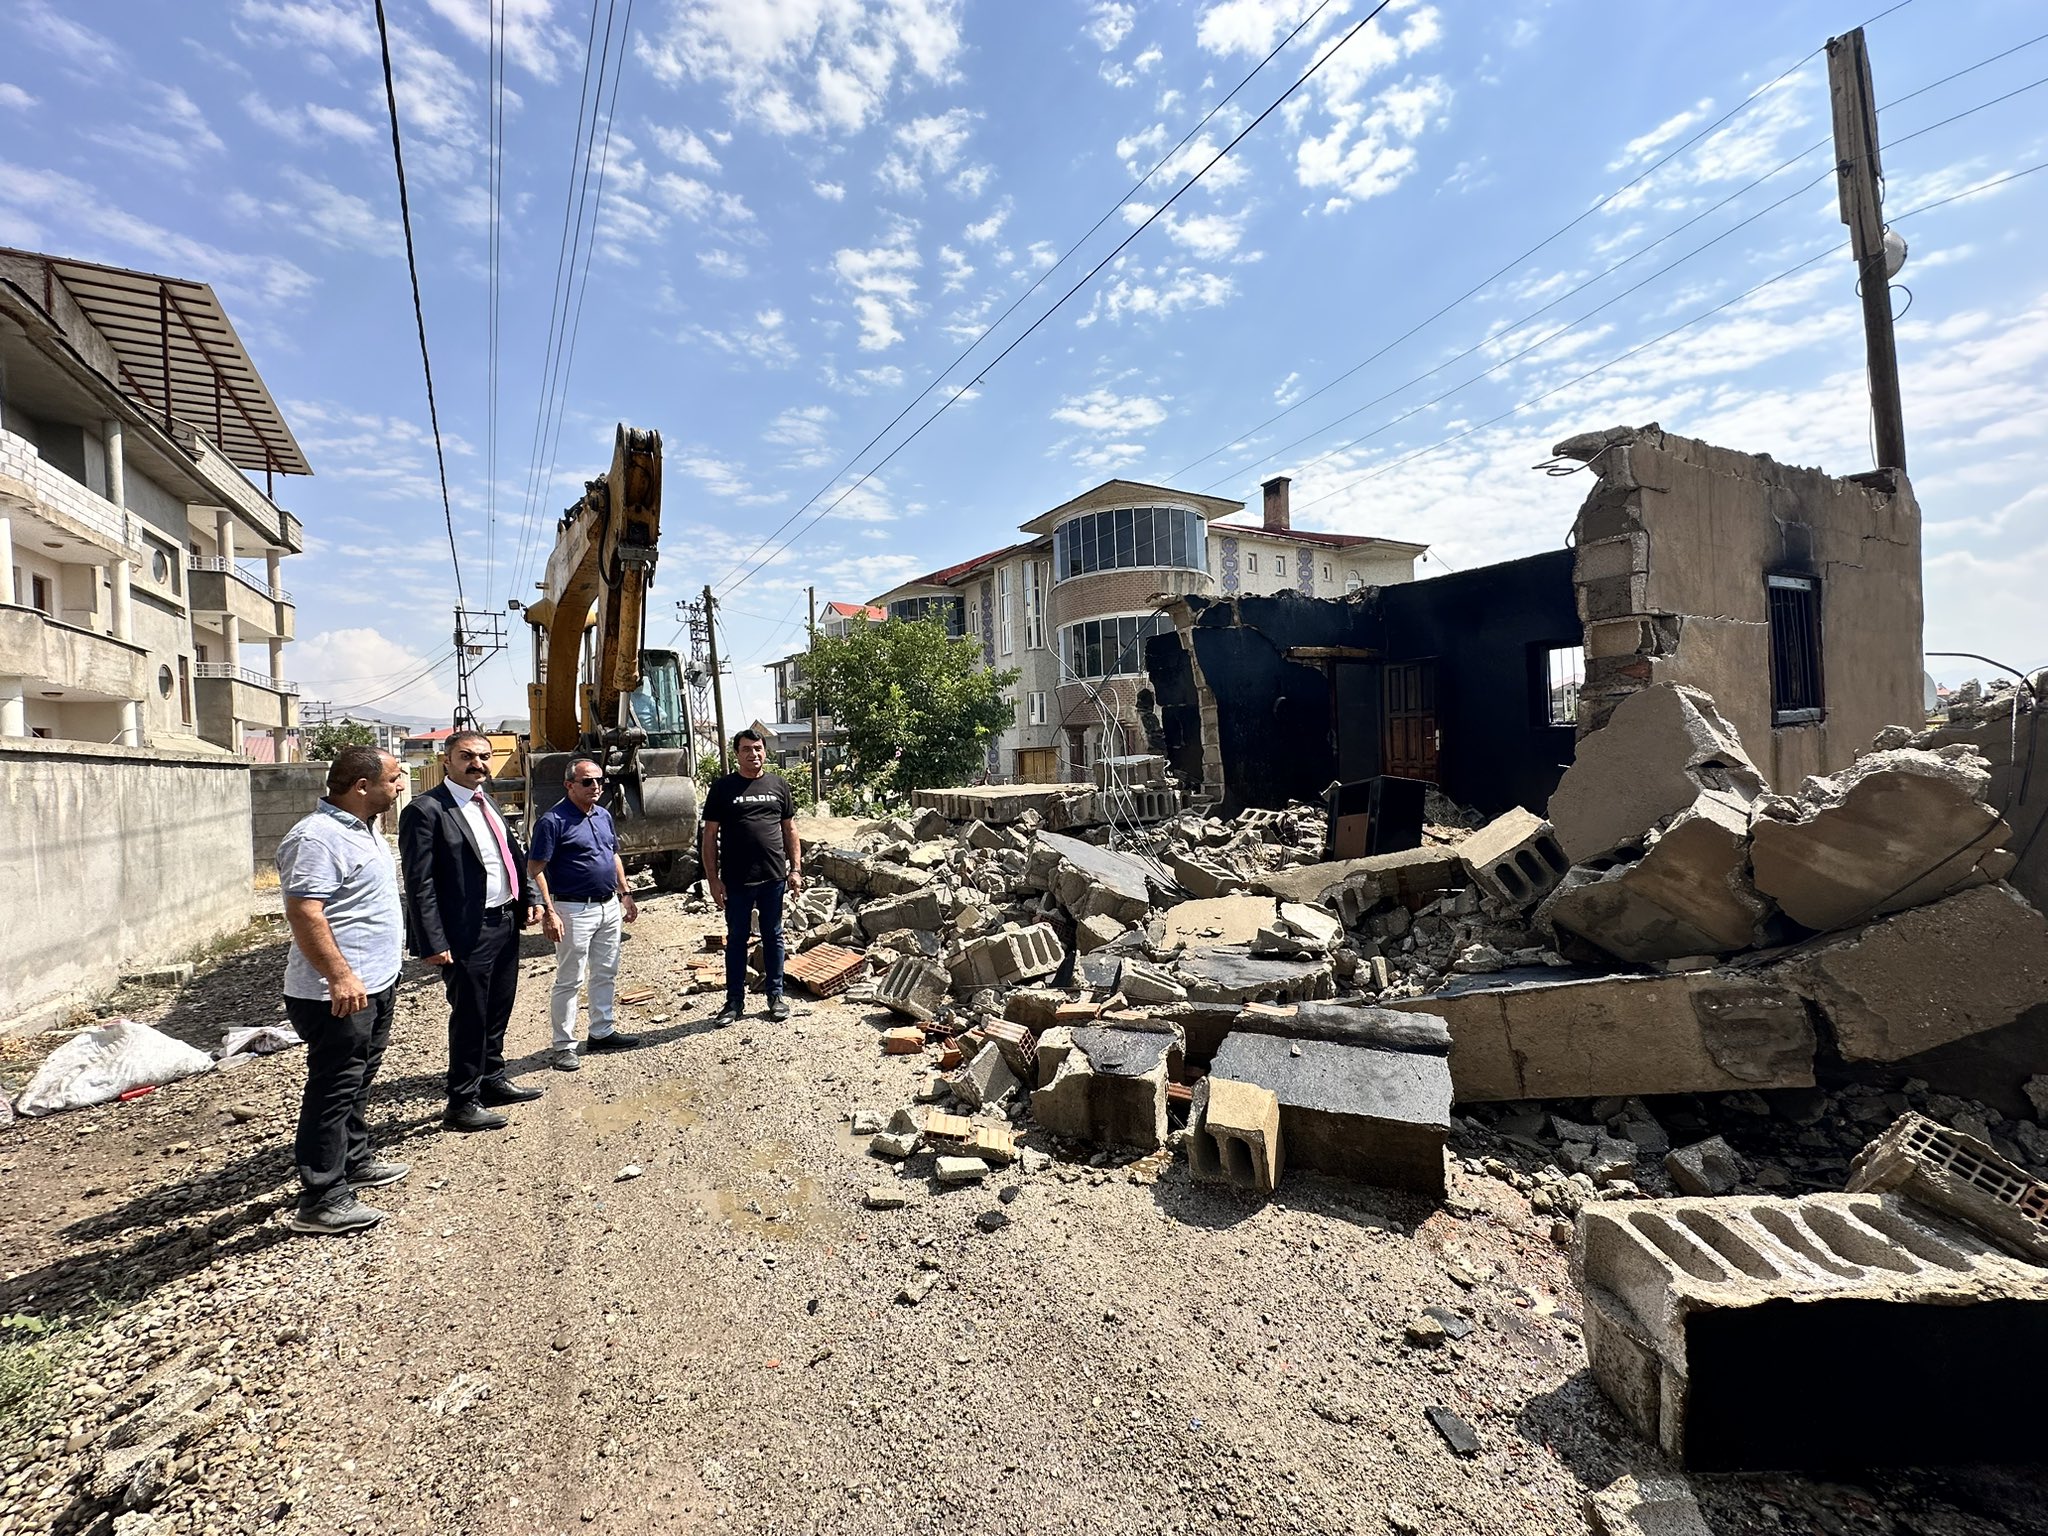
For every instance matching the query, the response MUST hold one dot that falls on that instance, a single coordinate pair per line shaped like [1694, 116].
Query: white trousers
[590, 937]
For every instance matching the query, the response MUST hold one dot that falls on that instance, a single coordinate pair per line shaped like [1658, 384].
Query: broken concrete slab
[1216, 920]
[1689, 894]
[1091, 881]
[1143, 982]
[1645, 1506]
[1203, 877]
[914, 987]
[987, 1078]
[1411, 873]
[1380, 1117]
[1057, 806]
[1351, 1023]
[1007, 956]
[1700, 1032]
[1709, 1167]
[1234, 1135]
[1091, 933]
[1313, 926]
[1829, 1330]
[1515, 858]
[1662, 749]
[923, 910]
[1110, 1087]
[1920, 979]
[1234, 975]
[1894, 830]
[1961, 1176]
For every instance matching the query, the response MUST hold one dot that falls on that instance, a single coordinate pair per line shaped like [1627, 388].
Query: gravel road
[531, 1343]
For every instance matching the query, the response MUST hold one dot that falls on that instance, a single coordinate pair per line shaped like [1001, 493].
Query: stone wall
[111, 859]
[280, 795]
[1673, 547]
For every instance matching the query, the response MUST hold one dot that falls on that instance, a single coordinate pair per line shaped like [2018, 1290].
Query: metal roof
[179, 356]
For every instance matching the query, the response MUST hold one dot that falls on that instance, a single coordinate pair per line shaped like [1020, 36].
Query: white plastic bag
[259, 1040]
[104, 1063]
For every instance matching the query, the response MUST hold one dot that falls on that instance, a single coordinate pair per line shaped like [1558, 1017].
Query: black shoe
[617, 1040]
[333, 1218]
[502, 1090]
[375, 1174]
[471, 1117]
[778, 1010]
[731, 1013]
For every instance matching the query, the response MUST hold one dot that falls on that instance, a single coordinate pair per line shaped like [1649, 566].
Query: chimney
[1278, 518]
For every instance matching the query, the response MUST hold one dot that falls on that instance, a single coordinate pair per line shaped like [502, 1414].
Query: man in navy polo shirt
[573, 859]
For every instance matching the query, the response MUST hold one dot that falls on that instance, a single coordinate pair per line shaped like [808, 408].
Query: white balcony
[249, 675]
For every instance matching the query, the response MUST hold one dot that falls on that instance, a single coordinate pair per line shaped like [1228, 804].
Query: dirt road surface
[532, 1343]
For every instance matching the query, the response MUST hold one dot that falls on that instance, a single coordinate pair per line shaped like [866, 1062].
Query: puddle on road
[777, 1202]
[671, 1104]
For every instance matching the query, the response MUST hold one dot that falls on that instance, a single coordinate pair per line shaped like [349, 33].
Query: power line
[419, 313]
[412, 681]
[1036, 284]
[494, 113]
[1086, 277]
[1623, 357]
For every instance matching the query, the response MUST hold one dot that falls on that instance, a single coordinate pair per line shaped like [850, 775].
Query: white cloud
[685, 148]
[883, 283]
[1106, 458]
[766, 341]
[100, 230]
[1105, 413]
[727, 480]
[864, 381]
[1288, 390]
[954, 269]
[346, 666]
[301, 124]
[806, 66]
[720, 262]
[925, 146]
[1158, 292]
[14, 97]
[984, 230]
[831, 191]
[1208, 236]
[85, 49]
[531, 40]
[1369, 150]
[179, 136]
[320, 26]
[1252, 27]
[802, 428]
[1042, 253]
[1109, 24]
[1645, 146]
[330, 215]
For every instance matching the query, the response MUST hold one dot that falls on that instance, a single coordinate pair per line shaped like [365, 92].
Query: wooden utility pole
[1857, 175]
[811, 687]
[717, 684]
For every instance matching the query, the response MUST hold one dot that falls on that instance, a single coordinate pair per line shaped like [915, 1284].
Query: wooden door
[1408, 719]
[1037, 765]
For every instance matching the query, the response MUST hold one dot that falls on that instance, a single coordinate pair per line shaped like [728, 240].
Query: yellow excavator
[596, 692]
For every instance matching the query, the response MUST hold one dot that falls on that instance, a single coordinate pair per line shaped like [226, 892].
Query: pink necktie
[504, 848]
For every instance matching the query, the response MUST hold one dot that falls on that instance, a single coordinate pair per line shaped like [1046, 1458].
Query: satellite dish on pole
[1929, 694]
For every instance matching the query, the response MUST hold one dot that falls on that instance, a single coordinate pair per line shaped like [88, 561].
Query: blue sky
[810, 207]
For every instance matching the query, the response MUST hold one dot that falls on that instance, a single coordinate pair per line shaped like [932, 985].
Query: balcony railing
[249, 675]
[247, 578]
[20, 459]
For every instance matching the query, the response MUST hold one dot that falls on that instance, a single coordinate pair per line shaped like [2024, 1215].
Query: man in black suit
[466, 899]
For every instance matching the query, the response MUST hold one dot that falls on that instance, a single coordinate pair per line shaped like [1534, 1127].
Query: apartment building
[140, 593]
[836, 619]
[1071, 606]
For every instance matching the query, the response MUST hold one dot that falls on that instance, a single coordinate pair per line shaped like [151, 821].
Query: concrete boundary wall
[112, 858]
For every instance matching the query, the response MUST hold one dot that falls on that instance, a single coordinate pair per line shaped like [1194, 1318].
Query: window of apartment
[40, 595]
[164, 565]
[1109, 647]
[1564, 674]
[1326, 572]
[950, 611]
[184, 691]
[1035, 583]
[1794, 607]
[1130, 538]
[1003, 645]
[1251, 563]
[1035, 713]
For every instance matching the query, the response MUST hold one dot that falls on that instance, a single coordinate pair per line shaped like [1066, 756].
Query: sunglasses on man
[587, 783]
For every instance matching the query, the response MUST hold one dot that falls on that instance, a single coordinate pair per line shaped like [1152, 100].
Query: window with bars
[1564, 674]
[1794, 605]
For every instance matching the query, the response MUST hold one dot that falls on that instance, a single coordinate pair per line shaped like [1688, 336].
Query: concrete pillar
[272, 562]
[13, 715]
[276, 660]
[280, 746]
[131, 723]
[124, 600]
[117, 472]
[6, 562]
[224, 534]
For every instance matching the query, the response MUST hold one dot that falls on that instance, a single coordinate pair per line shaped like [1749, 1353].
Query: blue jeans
[741, 903]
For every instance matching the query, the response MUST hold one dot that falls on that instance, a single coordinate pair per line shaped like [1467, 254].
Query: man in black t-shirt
[751, 857]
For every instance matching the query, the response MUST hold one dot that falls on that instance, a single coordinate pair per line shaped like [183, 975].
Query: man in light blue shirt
[340, 982]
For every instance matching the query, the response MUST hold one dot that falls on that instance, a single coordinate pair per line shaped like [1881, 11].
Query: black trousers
[481, 986]
[342, 1057]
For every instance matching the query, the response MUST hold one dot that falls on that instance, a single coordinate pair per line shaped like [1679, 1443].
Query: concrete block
[888, 878]
[1515, 858]
[1690, 894]
[1007, 956]
[1138, 769]
[1699, 1032]
[1216, 920]
[1313, 926]
[986, 1079]
[839, 867]
[1663, 748]
[1054, 1043]
[1109, 1088]
[1091, 933]
[1379, 1117]
[1033, 1007]
[1957, 1174]
[1143, 806]
[923, 910]
[1143, 982]
[1411, 873]
[1915, 980]
[1895, 830]
[1709, 1167]
[981, 834]
[1091, 881]
[1234, 1135]
[914, 987]
[930, 823]
[1017, 1043]
[1645, 1506]
[1199, 876]
[1235, 975]
[1829, 1330]
[955, 1171]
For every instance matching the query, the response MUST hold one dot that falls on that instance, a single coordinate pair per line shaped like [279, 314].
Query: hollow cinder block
[1234, 1135]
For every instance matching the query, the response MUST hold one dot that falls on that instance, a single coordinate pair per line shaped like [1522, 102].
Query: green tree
[917, 708]
[326, 740]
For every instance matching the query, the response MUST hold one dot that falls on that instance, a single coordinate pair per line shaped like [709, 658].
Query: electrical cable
[1792, 271]
[412, 681]
[1086, 278]
[1037, 283]
[418, 310]
[494, 113]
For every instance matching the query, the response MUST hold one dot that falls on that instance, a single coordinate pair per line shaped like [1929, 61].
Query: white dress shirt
[498, 887]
